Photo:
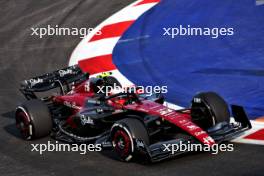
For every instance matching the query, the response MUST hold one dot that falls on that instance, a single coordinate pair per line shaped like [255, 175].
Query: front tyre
[33, 119]
[123, 135]
[209, 109]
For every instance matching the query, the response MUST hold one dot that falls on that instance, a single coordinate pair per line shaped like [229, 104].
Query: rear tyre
[33, 119]
[208, 109]
[123, 135]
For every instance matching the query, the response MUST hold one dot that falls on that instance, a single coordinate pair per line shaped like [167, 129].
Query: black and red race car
[132, 124]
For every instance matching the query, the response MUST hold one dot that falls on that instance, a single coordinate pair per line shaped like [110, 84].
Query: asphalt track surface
[24, 56]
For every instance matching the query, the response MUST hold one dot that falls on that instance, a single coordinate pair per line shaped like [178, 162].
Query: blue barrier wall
[233, 65]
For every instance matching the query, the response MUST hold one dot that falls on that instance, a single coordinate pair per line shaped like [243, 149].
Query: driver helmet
[97, 85]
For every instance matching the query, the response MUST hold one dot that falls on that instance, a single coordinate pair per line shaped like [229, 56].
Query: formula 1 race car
[131, 123]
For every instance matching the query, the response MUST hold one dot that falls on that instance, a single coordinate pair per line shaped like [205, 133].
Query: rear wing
[60, 78]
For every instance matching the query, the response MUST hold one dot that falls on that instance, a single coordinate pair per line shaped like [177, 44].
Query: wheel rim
[23, 124]
[122, 143]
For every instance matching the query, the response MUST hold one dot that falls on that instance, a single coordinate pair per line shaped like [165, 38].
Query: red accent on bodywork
[82, 89]
[181, 120]
[97, 64]
[76, 100]
[112, 30]
[71, 122]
